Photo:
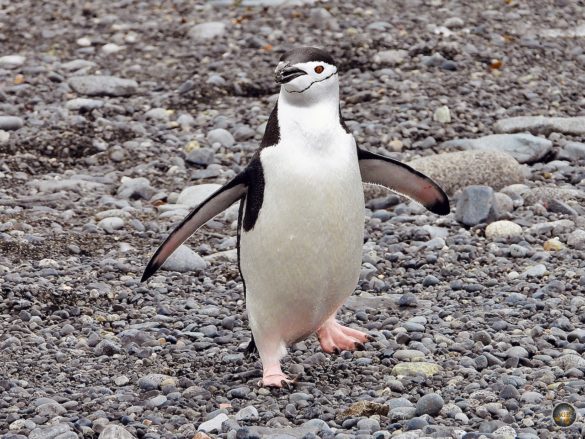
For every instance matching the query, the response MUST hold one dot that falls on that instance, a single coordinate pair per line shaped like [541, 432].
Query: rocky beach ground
[110, 110]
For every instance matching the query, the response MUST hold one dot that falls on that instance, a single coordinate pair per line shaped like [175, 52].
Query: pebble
[135, 188]
[83, 104]
[248, 413]
[502, 229]
[213, 425]
[221, 136]
[391, 57]
[573, 151]
[11, 123]
[576, 239]
[537, 270]
[111, 224]
[410, 369]
[94, 85]
[11, 61]
[207, 31]
[112, 431]
[193, 196]
[184, 260]
[430, 404]
[442, 114]
[477, 204]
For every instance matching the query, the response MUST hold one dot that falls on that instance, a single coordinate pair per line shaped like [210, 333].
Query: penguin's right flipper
[216, 203]
[402, 179]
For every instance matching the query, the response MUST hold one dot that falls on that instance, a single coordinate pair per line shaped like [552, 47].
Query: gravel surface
[109, 110]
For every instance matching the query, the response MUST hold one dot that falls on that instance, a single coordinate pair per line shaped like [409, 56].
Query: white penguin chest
[303, 255]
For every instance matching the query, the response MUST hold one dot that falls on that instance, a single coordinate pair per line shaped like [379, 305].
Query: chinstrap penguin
[301, 221]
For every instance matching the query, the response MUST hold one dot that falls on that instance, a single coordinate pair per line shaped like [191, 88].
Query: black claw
[370, 338]
[360, 347]
[336, 351]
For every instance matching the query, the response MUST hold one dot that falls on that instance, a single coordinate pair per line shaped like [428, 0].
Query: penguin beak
[285, 73]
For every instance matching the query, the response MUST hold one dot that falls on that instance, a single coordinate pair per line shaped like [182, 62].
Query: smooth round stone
[409, 355]
[111, 224]
[11, 123]
[502, 229]
[517, 352]
[430, 404]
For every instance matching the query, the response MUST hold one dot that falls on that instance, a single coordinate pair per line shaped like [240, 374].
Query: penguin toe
[360, 346]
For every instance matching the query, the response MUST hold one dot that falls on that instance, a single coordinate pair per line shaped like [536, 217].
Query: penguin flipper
[216, 203]
[402, 179]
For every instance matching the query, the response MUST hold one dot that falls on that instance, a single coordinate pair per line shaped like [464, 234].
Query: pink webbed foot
[335, 338]
[273, 377]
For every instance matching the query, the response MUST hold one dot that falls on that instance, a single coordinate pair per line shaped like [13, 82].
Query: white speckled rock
[502, 229]
[213, 425]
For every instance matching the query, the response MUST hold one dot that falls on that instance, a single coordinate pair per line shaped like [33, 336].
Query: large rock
[524, 147]
[542, 125]
[456, 170]
[545, 194]
[95, 85]
[49, 432]
[184, 260]
[477, 204]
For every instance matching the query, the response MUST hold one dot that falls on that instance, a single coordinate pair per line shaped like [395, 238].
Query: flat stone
[537, 270]
[95, 85]
[184, 260]
[83, 104]
[542, 125]
[111, 224]
[408, 355]
[456, 170]
[364, 408]
[414, 368]
[11, 61]
[524, 147]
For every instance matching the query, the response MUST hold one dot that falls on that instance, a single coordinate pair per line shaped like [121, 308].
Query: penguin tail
[251, 349]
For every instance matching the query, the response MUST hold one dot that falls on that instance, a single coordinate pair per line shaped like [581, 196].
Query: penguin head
[307, 74]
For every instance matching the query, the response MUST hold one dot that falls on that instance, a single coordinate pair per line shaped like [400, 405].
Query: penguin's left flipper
[402, 179]
[216, 203]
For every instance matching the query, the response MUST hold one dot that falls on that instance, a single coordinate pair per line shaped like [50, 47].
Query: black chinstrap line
[314, 82]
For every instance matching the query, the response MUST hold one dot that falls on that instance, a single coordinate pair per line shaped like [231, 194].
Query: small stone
[517, 352]
[408, 355]
[112, 431]
[49, 432]
[121, 380]
[476, 205]
[391, 57]
[365, 408]
[10, 123]
[430, 280]
[502, 229]
[158, 114]
[454, 23]
[414, 368]
[4, 137]
[442, 114]
[201, 156]
[135, 188]
[430, 404]
[110, 48]
[107, 347]
[83, 104]
[193, 196]
[207, 31]
[542, 125]
[538, 270]
[577, 239]
[11, 61]
[407, 299]
[573, 151]
[111, 224]
[213, 425]
[94, 85]
[184, 260]
[153, 381]
[249, 413]
[157, 401]
[221, 136]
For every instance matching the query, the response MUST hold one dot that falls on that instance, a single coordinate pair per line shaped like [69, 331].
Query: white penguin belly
[302, 258]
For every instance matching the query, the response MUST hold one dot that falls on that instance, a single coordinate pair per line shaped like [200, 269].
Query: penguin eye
[319, 69]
